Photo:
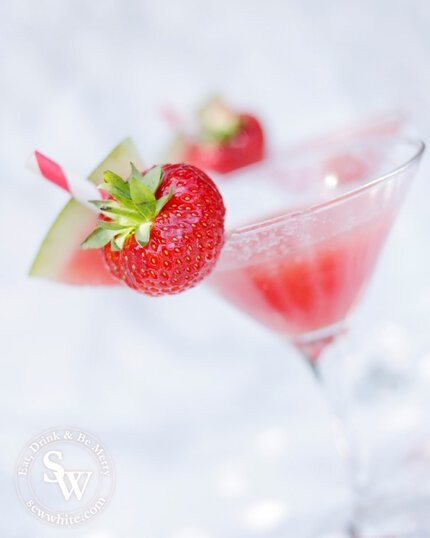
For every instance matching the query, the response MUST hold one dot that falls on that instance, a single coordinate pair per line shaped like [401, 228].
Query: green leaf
[99, 238]
[120, 239]
[218, 122]
[114, 179]
[161, 202]
[109, 225]
[143, 199]
[131, 208]
[117, 193]
[102, 204]
[111, 208]
[127, 215]
[153, 178]
[142, 234]
[114, 246]
[135, 173]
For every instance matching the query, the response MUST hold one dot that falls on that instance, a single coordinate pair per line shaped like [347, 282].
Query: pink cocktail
[302, 271]
[301, 288]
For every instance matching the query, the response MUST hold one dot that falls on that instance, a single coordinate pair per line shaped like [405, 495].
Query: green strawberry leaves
[115, 186]
[131, 210]
[143, 199]
[98, 238]
[118, 242]
[218, 123]
[142, 234]
[161, 202]
[152, 179]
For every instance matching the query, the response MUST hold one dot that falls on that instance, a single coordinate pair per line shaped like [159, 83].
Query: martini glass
[309, 230]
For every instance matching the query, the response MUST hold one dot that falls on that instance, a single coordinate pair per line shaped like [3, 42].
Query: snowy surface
[215, 426]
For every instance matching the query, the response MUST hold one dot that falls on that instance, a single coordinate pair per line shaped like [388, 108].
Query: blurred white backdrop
[215, 427]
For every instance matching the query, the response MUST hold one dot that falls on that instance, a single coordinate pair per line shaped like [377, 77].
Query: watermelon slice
[60, 257]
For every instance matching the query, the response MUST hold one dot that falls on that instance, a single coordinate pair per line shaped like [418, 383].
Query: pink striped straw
[80, 189]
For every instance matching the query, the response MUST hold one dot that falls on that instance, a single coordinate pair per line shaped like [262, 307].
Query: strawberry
[226, 140]
[162, 231]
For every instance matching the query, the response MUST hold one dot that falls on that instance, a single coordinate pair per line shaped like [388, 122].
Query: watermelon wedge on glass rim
[60, 257]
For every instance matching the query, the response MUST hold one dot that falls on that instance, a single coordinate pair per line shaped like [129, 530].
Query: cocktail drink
[302, 271]
[303, 286]
[308, 227]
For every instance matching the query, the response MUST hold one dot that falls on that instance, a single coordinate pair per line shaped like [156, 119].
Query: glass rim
[355, 191]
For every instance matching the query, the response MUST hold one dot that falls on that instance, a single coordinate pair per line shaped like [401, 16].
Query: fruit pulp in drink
[300, 286]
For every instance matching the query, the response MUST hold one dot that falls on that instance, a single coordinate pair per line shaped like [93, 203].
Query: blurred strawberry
[226, 140]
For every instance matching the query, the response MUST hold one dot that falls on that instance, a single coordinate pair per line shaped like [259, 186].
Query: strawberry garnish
[162, 231]
[225, 142]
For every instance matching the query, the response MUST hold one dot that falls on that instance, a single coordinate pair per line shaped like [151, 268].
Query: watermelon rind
[75, 221]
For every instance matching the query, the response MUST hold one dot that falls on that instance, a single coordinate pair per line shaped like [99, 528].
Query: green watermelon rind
[118, 161]
[66, 233]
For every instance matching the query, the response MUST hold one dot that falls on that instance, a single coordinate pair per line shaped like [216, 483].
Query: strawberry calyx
[130, 210]
[218, 123]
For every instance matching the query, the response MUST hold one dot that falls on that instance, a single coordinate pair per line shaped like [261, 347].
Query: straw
[80, 189]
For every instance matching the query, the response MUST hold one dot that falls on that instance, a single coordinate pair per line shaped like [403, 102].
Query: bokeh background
[215, 426]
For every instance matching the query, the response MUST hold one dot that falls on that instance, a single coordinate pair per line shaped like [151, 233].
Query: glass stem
[333, 377]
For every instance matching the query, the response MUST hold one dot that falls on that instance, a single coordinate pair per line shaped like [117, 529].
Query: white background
[215, 426]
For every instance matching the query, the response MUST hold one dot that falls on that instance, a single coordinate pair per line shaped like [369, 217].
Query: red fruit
[227, 140]
[167, 249]
[245, 147]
